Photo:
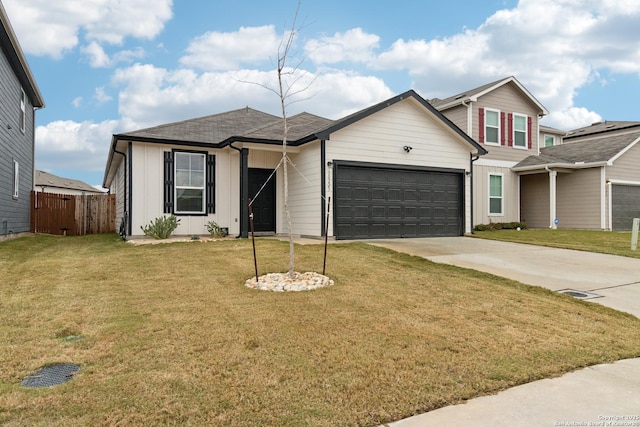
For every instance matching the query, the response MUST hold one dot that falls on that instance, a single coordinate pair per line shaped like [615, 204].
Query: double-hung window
[23, 110]
[549, 140]
[496, 191]
[190, 183]
[16, 179]
[519, 131]
[492, 126]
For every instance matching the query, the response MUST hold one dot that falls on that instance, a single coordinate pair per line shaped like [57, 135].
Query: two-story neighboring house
[590, 181]
[503, 116]
[19, 98]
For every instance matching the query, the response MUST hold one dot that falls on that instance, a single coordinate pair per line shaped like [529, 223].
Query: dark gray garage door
[625, 201]
[382, 202]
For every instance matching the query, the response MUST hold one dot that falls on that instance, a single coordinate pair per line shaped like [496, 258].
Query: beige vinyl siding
[510, 182]
[305, 192]
[579, 199]
[380, 138]
[459, 115]
[626, 166]
[534, 200]
[507, 99]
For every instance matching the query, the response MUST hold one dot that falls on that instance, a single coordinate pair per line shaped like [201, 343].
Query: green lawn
[606, 242]
[171, 335]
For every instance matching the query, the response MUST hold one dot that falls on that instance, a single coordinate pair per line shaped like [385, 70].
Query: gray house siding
[579, 199]
[15, 145]
[534, 200]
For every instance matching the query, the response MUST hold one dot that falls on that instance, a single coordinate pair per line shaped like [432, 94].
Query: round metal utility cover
[51, 375]
[575, 294]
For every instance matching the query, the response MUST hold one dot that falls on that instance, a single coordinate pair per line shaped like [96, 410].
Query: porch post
[552, 199]
[244, 193]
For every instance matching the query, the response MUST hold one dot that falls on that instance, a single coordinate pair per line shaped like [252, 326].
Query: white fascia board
[623, 182]
[561, 166]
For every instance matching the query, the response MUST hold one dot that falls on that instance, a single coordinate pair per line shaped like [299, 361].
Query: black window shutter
[168, 182]
[211, 183]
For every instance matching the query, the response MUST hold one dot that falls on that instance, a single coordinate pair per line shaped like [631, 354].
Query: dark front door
[264, 205]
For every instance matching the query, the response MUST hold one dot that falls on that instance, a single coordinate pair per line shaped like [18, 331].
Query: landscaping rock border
[281, 282]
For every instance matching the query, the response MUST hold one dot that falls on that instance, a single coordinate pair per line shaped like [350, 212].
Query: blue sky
[110, 66]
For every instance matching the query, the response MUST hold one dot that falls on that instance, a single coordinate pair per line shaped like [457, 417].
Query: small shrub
[161, 227]
[493, 226]
[215, 230]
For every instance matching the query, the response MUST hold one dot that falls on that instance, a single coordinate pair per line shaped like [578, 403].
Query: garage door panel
[373, 202]
[625, 201]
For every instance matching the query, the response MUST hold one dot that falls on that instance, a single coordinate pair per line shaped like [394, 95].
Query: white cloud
[353, 45]
[216, 51]
[553, 47]
[571, 118]
[101, 96]
[150, 95]
[77, 102]
[96, 55]
[52, 28]
[66, 144]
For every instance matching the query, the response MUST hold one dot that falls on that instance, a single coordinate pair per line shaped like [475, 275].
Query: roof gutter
[560, 165]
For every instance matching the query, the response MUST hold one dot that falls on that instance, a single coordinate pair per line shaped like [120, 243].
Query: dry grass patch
[171, 335]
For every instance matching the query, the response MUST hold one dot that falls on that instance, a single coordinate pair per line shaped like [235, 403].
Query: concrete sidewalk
[598, 395]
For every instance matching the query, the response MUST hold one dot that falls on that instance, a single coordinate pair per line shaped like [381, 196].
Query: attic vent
[596, 123]
[460, 96]
[611, 126]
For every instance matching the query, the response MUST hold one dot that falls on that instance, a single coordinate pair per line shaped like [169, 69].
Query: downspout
[323, 186]
[471, 160]
[244, 191]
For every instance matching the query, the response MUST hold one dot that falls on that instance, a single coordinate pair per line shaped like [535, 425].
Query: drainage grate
[579, 294]
[51, 375]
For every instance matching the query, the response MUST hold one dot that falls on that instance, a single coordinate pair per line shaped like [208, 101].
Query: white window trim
[23, 110]
[526, 131]
[544, 140]
[16, 179]
[490, 197]
[176, 186]
[486, 110]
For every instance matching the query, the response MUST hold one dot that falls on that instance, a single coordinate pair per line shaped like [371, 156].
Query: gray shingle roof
[606, 126]
[45, 179]
[209, 129]
[581, 152]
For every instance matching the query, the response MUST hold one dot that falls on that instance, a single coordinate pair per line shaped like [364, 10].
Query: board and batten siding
[579, 197]
[380, 138]
[510, 195]
[15, 145]
[147, 201]
[305, 192]
[534, 200]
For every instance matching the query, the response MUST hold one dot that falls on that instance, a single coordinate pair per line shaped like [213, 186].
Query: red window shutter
[510, 130]
[481, 124]
[502, 129]
[529, 132]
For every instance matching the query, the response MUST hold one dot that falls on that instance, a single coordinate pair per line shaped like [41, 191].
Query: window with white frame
[549, 140]
[492, 126]
[496, 191]
[16, 179]
[519, 131]
[190, 182]
[23, 110]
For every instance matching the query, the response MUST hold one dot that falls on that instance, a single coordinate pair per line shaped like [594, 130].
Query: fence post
[634, 234]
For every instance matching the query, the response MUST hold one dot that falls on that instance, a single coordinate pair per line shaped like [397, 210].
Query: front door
[264, 205]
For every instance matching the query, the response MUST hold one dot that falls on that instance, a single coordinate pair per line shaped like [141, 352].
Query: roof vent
[596, 123]
[462, 95]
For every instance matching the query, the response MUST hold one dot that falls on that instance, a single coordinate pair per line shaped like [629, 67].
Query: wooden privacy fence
[68, 215]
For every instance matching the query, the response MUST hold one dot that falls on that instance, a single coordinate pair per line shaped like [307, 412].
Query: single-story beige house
[399, 168]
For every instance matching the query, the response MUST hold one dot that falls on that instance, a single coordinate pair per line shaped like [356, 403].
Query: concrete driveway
[610, 280]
